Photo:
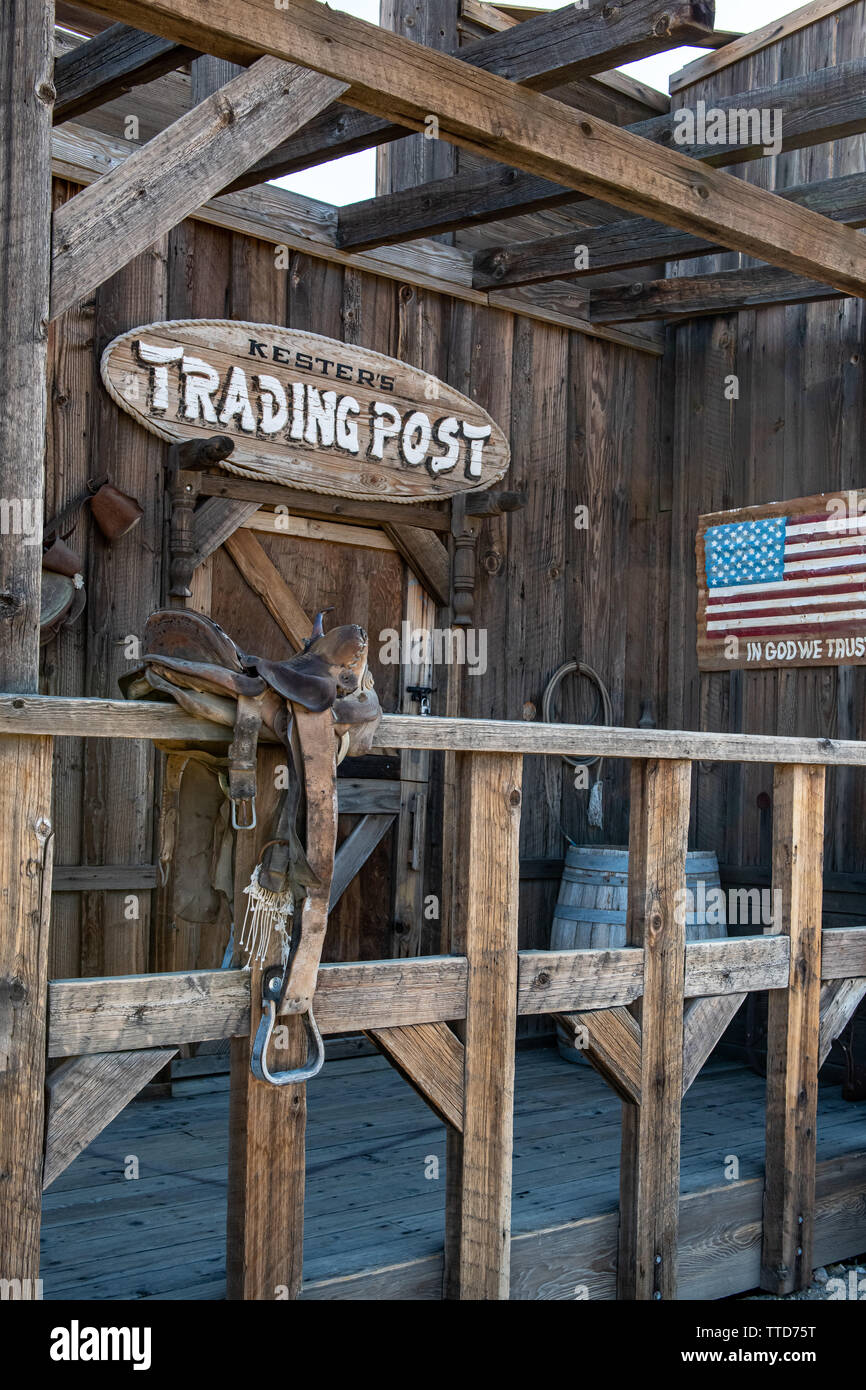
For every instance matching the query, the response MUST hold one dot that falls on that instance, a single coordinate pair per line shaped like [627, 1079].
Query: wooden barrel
[591, 908]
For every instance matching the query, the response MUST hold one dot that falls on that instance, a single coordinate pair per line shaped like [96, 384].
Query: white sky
[354, 177]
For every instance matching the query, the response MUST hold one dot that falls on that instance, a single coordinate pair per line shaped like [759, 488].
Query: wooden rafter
[102, 228]
[547, 51]
[639, 241]
[748, 44]
[303, 224]
[704, 1022]
[109, 65]
[393, 77]
[818, 107]
[839, 999]
[692, 296]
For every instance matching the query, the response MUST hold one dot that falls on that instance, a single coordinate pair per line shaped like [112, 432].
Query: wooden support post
[26, 96]
[490, 839]
[656, 920]
[267, 1124]
[793, 1026]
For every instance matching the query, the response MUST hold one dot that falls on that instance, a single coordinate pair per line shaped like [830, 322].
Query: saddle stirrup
[273, 982]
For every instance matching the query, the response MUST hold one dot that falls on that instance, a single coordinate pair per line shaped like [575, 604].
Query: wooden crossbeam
[85, 1094]
[356, 850]
[390, 76]
[704, 1022]
[102, 228]
[839, 999]
[697, 295]
[263, 577]
[638, 241]
[426, 556]
[650, 1162]
[74, 717]
[817, 106]
[747, 44]
[610, 1041]
[548, 50]
[793, 1026]
[430, 1057]
[135, 1011]
[109, 65]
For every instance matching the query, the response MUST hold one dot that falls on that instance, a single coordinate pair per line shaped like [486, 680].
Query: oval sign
[306, 411]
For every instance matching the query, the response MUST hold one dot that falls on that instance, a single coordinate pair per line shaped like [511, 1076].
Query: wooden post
[267, 1124]
[26, 97]
[793, 1027]
[491, 829]
[656, 920]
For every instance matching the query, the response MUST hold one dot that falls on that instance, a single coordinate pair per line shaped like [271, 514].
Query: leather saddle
[321, 705]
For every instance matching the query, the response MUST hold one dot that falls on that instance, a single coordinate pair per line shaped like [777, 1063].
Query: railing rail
[62, 716]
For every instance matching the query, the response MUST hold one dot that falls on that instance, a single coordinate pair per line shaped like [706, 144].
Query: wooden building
[639, 314]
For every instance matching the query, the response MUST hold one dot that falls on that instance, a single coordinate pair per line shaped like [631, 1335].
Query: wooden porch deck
[370, 1146]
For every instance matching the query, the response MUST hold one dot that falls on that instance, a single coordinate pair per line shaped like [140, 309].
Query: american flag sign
[783, 585]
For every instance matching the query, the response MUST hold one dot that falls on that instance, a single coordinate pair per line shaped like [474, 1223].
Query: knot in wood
[542, 978]
[46, 92]
[585, 128]
[662, 25]
[514, 797]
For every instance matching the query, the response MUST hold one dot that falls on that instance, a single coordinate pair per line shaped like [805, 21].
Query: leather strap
[318, 754]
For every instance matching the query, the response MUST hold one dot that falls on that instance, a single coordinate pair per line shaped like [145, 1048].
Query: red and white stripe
[823, 589]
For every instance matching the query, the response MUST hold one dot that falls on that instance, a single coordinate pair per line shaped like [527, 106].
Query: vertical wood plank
[793, 1028]
[26, 95]
[267, 1124]
[491, 847]
[650, 1163]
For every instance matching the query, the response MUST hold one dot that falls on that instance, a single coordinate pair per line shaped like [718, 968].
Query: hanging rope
[602, 705]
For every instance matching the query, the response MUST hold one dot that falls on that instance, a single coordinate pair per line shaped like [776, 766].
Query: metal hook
[272, 990]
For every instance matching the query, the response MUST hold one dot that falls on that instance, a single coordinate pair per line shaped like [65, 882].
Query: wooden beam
[426, 556]
[704, 1022]
[318, 504]
[138, 1011]
[490, 818]
[263, 577]
[430, 1057]
[694, 296]
[390, 76]
[26, 95]
[753, 42]
[817, 106]
[650, 1162]
[639, 241]
[215, 521]
[610, 1040]
[110, 65]
[275, 215]
[839, 999]
[74, 717]
[102, 228]
[793, 1024]
[104, 878]
[547, 51]
[267, 1124]
[356, 850]
[843, 953]
[85, 1094]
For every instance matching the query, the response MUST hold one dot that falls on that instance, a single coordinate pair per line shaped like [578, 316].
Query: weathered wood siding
[796, 429]
[584, 418]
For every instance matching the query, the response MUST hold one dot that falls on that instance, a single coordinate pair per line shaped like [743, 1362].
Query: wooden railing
[650, 1012]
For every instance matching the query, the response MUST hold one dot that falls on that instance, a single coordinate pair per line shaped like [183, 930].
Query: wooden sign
[783, 585]
[305, 411]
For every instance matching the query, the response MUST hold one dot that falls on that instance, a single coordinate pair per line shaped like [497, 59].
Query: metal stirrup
[272, 990]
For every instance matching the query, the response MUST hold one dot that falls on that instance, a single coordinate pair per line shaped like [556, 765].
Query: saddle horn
[318, 628]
